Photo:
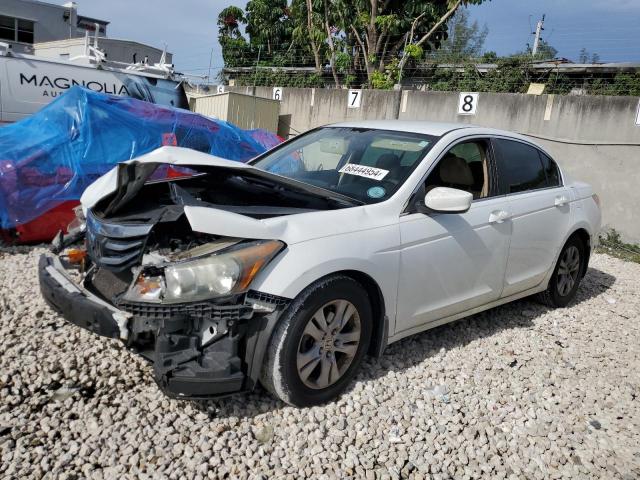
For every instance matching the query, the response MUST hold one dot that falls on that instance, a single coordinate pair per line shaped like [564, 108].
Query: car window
[465, 166]
[371, 155]
[551, 170]
[366, 164]
[315, 157]
[519, 167]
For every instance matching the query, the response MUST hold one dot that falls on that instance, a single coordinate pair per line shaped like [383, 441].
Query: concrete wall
[594, 138]
[580, 132]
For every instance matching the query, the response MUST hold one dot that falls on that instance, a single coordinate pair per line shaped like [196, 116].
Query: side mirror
[448, 200]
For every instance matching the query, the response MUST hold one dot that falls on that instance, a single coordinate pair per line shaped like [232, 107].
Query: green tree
[357, 38]
[268, 25]
[235, 49]
[427, 26]
[545, 51]
[466, 39]
[586, 57]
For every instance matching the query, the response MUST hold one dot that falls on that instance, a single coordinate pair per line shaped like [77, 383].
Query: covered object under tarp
[47, 160]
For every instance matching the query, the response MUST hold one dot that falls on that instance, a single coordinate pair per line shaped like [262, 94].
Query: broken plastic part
[146, 288]
[207, 248]
[122, 320]
[76, 255]
[154, 258]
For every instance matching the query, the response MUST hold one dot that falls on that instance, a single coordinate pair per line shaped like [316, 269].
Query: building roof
[62, 7]
[103, 41]
[91, 19]
[561, 66]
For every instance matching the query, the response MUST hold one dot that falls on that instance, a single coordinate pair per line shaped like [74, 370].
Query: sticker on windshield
[376, 192]
[364, 171]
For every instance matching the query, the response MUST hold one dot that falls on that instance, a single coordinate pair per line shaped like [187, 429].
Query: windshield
[364, 164]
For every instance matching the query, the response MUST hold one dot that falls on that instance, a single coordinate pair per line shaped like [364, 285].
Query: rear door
[540, 210]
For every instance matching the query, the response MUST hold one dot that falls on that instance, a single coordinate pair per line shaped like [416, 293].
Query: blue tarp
[51, 157]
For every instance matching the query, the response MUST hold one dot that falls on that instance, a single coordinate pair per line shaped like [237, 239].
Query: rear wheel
[566, 277]
[319, 343]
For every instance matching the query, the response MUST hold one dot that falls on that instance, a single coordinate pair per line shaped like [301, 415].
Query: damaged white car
[290, 269]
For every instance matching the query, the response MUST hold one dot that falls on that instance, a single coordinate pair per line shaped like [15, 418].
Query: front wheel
[566, 277]
[319, 343]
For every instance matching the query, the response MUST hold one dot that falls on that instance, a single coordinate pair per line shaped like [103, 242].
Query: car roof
[437, 129]
[414, 126]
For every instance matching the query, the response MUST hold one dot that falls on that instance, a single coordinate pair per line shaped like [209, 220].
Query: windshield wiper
[308, 188]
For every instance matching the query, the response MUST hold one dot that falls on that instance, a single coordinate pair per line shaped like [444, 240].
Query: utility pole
[536, 41]
[255, 78]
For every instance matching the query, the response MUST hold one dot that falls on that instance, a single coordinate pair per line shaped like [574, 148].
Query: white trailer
[27, 82]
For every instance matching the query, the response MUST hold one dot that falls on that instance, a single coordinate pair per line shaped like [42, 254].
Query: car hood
[293, 228]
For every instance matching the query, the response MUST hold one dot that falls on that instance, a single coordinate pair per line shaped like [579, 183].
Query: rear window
[519, 167]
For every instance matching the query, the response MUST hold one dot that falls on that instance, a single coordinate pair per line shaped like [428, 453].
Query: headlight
[210, 277]
[225, 273]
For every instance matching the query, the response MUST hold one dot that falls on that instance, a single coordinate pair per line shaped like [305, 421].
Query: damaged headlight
[228, 272]
[210, 277]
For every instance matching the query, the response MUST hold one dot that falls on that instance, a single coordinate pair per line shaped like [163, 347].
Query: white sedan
[290, 269]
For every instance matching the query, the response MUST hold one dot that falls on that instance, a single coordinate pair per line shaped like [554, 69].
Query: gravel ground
[520, 391]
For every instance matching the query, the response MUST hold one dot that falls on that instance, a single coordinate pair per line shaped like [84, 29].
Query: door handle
[561, 200]
[499, 216]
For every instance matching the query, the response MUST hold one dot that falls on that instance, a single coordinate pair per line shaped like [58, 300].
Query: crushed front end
[118, 289]
[181, 299]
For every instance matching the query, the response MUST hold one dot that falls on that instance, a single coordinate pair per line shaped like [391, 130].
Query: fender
[260, 337]
[580, 225]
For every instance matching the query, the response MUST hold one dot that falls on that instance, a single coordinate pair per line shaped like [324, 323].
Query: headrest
[454, 170]
[388, 161]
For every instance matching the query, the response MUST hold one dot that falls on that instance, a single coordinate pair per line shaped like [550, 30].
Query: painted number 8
[467, 104]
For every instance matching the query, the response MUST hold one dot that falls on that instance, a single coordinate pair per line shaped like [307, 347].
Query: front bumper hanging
[77, 305]
[185, 363]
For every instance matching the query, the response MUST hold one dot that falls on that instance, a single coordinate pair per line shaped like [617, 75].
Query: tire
[301, 349]
[559, 293]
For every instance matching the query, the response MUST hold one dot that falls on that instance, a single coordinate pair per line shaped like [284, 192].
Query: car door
[540, 208]
[450, 263]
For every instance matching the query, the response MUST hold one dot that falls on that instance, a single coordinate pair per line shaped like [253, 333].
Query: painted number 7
[355, 98]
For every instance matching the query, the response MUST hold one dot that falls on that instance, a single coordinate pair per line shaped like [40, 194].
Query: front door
[450, 263]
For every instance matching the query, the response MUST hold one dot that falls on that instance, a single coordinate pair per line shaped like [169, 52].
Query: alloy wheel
[328, 344]
[568, 270]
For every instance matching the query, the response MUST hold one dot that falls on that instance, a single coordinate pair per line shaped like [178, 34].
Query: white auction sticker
[364, 171]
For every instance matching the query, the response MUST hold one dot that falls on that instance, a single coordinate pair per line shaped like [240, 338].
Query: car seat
[456, 173]
[390, 162]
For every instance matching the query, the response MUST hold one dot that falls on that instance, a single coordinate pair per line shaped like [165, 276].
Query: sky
[610, 28]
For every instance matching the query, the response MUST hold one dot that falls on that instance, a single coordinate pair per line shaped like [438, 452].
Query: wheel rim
[328, 344]
[568, 270]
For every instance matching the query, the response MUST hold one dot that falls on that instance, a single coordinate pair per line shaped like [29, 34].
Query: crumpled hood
[177, 156]
[288, 228]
